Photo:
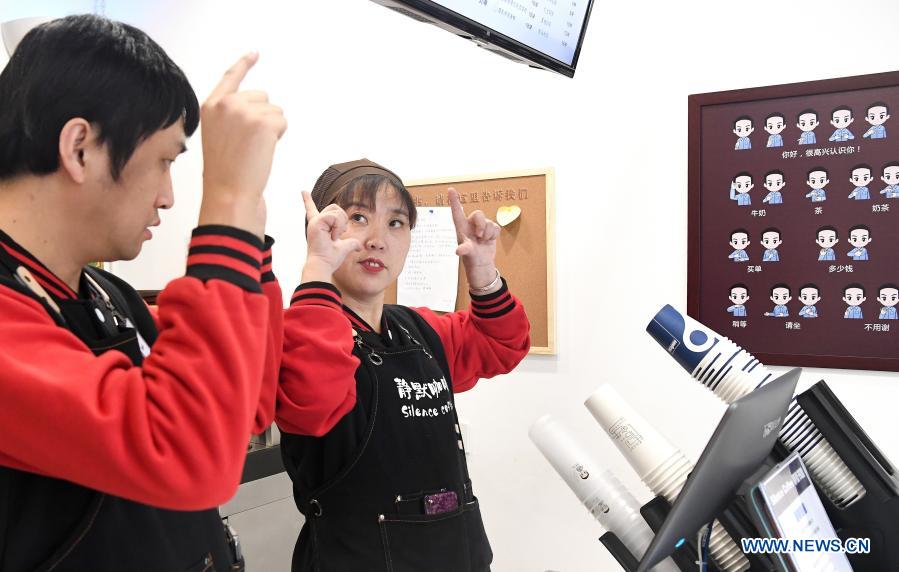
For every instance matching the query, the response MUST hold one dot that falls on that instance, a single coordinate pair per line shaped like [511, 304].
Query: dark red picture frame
[830, 340]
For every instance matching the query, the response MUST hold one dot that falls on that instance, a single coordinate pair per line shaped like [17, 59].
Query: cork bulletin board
[525, 252]
[793, 222]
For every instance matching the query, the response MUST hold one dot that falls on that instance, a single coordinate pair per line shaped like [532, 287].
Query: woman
[370, 434]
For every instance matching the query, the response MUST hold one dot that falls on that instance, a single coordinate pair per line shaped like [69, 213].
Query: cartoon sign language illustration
[740, 187]
[774, 182]
[774, 125]
[771, 240]
[827, 237]
[739, 240]
[806, 121]
[854, 295]
[841, 118]
[817, 180]
[780, 295]
[739, 294]
[891, 178]
[859, 238]
[888, 297]
[877, 115]
[860, 177]
[743, 128]
[809, 295]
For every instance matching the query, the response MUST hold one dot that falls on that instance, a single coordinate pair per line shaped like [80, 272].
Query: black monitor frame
[481, 34]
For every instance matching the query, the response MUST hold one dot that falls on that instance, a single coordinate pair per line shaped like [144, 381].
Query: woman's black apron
[405, 500]
[53, 525]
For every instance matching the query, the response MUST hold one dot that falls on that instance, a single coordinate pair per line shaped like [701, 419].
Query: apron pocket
[478, 544]
[436, 543]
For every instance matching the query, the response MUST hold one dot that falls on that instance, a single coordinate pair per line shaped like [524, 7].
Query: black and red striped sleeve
[488, 339]
[265, 412]
[226, 253]
[171, 433]
[318, 369]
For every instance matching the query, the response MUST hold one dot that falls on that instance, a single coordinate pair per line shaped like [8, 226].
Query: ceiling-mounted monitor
[541, 33]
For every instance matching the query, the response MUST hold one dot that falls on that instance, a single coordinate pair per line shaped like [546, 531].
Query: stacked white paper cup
[730, 372]
[660, 465]
[599, 490]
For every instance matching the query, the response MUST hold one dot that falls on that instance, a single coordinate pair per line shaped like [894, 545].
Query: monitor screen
[796, 512]
[552, 27]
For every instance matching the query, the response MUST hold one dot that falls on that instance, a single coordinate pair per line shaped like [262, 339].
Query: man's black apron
[405, 500]
[55, 525]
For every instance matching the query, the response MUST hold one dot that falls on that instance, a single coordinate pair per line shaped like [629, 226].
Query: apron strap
[26, 284]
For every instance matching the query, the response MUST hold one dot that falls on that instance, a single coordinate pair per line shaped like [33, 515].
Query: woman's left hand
[476, 235]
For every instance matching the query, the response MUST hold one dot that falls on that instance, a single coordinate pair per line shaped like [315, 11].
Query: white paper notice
[431, 274]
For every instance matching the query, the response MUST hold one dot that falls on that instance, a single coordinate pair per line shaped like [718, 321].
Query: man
[740, 187]
[739, 294]
[817, 180]
[891, 178]
[739, 240]
[774, 182]
[809, 295]
[826, 239]
[877, 115]
[743, 128]
[774, 125]
[771, 240]
[780, 295]
[861, 176]
[115, 460]
[888, 297]
[841, 119]
[859, 238]
[806, 121]
[854, 295]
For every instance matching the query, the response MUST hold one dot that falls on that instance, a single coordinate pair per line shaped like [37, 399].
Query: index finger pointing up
[311, 209]
[235, 74]
[459, 218]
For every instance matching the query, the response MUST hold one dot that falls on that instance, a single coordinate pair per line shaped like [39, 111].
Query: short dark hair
[854, 285]
[860, 227]
[743, 174]
[809, 285]
[890, 164]
[887, 285]
[743, 118]
[805, 112]
[770, 229]
[776, 114]
[879, 104]
[108, 73]
[775, 172]
[813, 169]
[780, 285]
[739, 285]
[842, 108]
[827, 227]
[738, 231]
[862, 166]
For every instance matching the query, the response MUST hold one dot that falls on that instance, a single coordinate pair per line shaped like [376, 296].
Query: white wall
[358, 80]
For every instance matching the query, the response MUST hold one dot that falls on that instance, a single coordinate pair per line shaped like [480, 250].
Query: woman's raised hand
[476, 235]
[326, 250]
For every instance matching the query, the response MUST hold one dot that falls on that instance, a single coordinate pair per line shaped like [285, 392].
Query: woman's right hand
[325, 250]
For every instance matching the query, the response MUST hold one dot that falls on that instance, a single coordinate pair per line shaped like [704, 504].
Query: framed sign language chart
[794, 220]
